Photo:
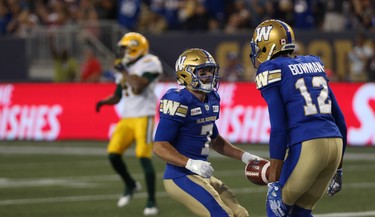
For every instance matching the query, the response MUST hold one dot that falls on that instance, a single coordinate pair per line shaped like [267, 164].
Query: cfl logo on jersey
[173, 108]
[263, 33]
[267, 77]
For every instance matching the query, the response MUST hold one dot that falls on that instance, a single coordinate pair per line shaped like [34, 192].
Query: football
[257, 171]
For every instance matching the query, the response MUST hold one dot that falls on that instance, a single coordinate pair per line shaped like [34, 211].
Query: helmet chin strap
[205, 87]
[271, 51]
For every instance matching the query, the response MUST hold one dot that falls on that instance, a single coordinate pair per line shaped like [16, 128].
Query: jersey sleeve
[119, 79]
[339, 118]
[268, 80]
[167, 130]
[278, 135]
[173, 110]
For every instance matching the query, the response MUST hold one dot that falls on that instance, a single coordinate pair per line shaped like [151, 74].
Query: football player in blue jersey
[308, 130]
[187, 131]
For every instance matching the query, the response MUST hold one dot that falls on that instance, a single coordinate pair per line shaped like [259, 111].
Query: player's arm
[110, 100]
[340, 121]
[169, 154]
[224, 147]
[336, 182]
[278, 135]
[166, 132]
[138, 83]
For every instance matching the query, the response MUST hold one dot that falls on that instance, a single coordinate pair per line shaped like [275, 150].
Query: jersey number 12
[324, 105]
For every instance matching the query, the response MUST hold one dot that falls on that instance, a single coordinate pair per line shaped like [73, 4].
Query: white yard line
[102, 151]
[140, 195]
[348, 214]
[143, 195]
[94, 181]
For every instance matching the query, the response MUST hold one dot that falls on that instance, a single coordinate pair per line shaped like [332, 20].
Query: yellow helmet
[135, 45]
[188, 65]
[271, 37]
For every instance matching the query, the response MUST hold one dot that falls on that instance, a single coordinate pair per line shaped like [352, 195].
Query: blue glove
[274, 200]
[336, 183]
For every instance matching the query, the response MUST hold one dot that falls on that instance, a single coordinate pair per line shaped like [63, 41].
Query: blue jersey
[299, 100]
[188, 124]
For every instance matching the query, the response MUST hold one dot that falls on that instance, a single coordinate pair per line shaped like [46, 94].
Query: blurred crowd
[21, 16]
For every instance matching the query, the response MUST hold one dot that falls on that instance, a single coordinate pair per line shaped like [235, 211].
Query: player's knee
[144, 154]
[114, 157]
[227, 212]
[240, 212]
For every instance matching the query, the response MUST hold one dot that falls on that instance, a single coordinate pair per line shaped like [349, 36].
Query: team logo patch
[173, 108]
[207, 107]
[195, 111]
[215, 108]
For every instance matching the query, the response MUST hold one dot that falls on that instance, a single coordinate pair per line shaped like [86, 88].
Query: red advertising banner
[45, 111]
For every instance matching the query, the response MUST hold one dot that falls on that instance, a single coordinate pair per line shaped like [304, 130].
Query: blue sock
[300, 212]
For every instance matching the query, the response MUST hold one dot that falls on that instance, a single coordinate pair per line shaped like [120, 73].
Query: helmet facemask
[203, 82]
[254, 52]
[197, 70]
[128, 55]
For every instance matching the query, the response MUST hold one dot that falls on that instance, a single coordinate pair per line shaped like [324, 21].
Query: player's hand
[274, 201]
[200, 167]
[98, 106]
[118, 65]
[336, 183]
[246, 157]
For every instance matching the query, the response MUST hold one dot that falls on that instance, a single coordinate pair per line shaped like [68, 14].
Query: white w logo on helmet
[180, 63]
[133, 43]
[263, 32]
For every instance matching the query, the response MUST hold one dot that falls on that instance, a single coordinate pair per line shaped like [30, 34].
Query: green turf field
[74, 179]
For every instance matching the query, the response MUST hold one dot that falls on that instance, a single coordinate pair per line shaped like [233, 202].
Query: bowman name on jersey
[307, 98]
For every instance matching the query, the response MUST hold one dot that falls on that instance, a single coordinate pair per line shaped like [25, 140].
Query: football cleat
[150, 211]
[125, 199]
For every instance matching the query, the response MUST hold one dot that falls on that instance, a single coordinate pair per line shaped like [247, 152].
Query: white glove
[200, 167]
[246, 157]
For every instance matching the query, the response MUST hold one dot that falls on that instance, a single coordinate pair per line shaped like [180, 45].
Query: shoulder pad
[174, 103]
[216, 95]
